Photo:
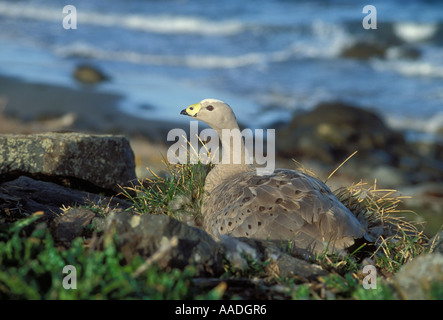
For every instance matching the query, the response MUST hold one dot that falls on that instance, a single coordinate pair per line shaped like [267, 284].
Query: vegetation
[31, 263]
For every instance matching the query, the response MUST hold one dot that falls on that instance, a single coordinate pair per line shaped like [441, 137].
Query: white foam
[410, 68]
[147, 23]
[432, 125]
[415, 32]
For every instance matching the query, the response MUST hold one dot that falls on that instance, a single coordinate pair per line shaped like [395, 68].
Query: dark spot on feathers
[261, 208]
[249, 227]
[279, 200]
[246, 199]
[297, 192]
[259, 223]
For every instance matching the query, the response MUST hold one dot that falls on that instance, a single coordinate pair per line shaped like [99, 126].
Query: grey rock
[238, 250]
[144, 235]
[71, 224]
[421, 278]
[101, 161]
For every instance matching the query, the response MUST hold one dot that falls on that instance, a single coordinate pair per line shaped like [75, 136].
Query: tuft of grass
[396, 239]
[181, 191]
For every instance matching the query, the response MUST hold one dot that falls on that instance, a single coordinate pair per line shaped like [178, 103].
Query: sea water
[266, 58]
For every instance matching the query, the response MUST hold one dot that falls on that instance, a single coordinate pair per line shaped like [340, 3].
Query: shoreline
[91, 111]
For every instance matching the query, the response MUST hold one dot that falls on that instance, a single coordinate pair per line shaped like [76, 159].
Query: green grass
[31, 267]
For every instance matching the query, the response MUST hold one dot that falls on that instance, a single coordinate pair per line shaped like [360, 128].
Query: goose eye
[210, 108]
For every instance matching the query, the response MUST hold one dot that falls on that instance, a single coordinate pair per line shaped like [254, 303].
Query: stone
[237, 250]
[144, 234]
[71, 224]
[364, 50]
[88, 74]
[89, 162]
[436, 243]
[28, 196]
[334, 130]
[421, 278]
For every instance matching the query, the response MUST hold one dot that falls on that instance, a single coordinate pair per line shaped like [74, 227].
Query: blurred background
[132, 65]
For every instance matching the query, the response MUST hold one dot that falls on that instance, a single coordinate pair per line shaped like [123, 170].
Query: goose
[285, 205]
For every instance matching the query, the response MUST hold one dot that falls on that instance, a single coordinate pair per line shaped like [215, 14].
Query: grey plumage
[287, 205]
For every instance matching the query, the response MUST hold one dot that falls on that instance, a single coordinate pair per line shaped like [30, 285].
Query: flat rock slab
[28, 195]
[103, 161]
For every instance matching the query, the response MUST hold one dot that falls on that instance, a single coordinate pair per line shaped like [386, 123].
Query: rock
[89, 74]
[28, 196]
[436, 243]
[144, 235]
[391, 176]
[421, 278]
[71, 224]
[90, 162]
[365, 50]
[333, 131]
[238, 250]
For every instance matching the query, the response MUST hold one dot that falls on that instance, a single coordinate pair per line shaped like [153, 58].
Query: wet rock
[365, 50]
[89, 162]
[88, 74]
[145, 234]
[422, 278]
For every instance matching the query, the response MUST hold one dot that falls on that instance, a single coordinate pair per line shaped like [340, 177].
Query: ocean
[266, 58]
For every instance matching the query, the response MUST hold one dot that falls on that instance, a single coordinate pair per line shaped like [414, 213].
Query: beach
[28, 107]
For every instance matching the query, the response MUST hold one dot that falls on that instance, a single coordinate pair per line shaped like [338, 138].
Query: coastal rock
[88, 74]
[333, 131]
[365, 50]
[422, 278]
[145, 234]
[89, 162]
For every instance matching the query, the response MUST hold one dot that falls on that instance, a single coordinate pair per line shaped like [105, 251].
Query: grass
[31, 263]
[31, 267]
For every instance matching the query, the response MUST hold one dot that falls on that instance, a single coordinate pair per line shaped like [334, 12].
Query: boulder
[144, 235]
[333, 131]
[71, 224]
[364, 50]
[421, 278]
[88, 74]
[89, 162]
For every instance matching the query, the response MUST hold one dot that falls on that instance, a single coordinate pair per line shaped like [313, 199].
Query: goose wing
[286, 205]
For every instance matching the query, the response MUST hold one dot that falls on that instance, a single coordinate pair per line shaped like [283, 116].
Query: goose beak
[192, 110]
